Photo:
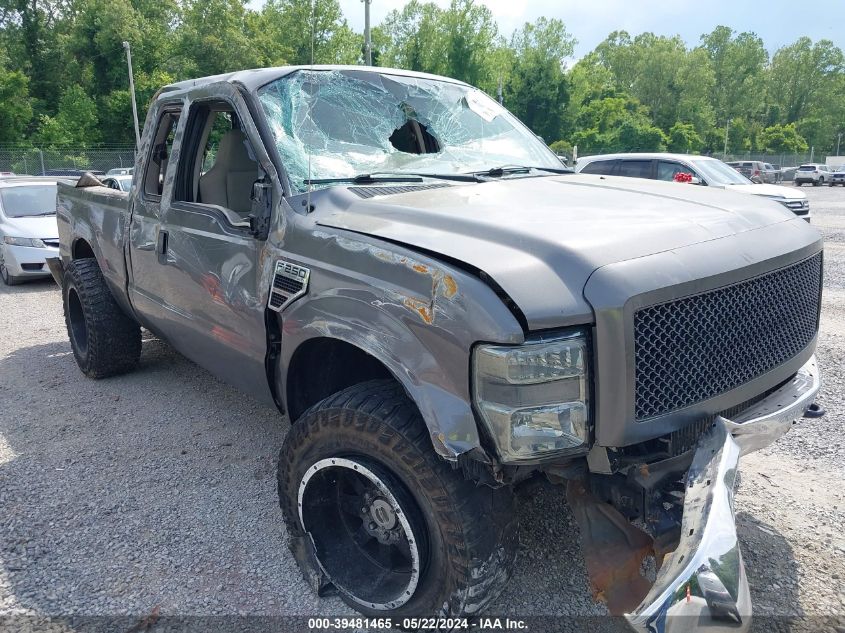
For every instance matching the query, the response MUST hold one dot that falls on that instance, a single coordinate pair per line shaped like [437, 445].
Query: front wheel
[396, 530]
[7, 278]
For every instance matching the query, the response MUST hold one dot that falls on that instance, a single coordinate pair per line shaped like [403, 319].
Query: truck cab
[443, 313]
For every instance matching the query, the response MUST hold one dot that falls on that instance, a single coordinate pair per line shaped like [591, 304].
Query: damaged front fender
[420, 320]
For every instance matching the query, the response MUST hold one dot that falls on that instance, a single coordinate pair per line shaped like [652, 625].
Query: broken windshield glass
[330, 124]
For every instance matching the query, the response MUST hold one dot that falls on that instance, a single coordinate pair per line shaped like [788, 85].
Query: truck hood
[42, 227]
[769, 191]
[540, 239]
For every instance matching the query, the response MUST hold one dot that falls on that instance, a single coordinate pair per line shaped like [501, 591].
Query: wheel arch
[81, 249]
[323, 365]
[375, 345]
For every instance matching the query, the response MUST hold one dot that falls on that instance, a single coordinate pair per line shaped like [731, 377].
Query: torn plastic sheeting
[330, 124]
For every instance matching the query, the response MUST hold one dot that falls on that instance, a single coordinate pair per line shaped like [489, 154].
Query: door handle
[161, 242]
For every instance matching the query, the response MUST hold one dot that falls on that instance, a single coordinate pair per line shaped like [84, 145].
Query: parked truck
[445, 314]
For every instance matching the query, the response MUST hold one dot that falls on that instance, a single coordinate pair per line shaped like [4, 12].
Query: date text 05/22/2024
[418, 624]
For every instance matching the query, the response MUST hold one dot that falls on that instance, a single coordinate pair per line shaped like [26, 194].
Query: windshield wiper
[367, 179]
[498, 172]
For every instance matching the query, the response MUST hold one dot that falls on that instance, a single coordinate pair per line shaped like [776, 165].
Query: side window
[599, 167]
[635, 169]
[666, 170]
[217, 165]
[160, 152]
[222, 123]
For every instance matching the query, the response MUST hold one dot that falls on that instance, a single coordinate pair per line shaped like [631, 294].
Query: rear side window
[635, 168]
[599, 167]
[160, 152]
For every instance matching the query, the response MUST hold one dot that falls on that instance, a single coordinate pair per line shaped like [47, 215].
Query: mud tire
[105, 341]
[471, 530]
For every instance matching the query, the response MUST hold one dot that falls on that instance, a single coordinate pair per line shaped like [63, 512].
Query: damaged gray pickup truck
[443, 313]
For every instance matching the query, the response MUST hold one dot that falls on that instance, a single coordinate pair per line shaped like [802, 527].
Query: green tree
[684, 139]
[291, 24]
[537, 89]
[617, 123]
[802, 74]
[672, 82]
[75, 124]
[738, 63]
[781, 139]
[15, 105]
[417, 38]
[32, 30]
[213, 39]
[471, 35]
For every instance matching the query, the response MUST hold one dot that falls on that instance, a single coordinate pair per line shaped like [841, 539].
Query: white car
[701, 170]
[28, 231]
[814, 174]
[120, 182]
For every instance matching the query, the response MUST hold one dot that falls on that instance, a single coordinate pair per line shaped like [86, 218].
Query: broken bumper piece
[702, 586]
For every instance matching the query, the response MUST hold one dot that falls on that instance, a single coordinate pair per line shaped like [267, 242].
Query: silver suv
[814, 173]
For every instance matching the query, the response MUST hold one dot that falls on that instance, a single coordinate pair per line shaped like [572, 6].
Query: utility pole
[838, 143]
[368, 42]
[727, 129]
[132, 94]
[501, 92]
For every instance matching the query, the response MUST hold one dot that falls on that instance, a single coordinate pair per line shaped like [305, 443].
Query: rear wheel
[818, 182]
[394, 528]
[105, 341]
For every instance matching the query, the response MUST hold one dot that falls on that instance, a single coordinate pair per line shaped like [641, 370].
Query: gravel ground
[155, 492]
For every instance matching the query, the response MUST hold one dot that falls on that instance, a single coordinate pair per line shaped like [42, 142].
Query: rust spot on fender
[420, 268]
[450, 287]
[425, 310]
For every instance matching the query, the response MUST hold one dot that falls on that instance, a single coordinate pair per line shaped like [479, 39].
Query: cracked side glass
[340, 124]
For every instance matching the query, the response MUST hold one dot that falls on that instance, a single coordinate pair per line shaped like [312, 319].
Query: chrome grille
[698, 347]
[799, 207]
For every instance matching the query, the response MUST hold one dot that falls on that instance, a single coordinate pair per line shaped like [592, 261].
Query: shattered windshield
[341, 124]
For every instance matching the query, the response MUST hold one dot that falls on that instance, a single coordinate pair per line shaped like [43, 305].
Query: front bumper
[25, 261]
[702, 584]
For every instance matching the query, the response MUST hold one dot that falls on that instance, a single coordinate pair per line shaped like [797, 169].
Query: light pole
[838, 143]
[727, 130]
[368, 42]
[132, 94]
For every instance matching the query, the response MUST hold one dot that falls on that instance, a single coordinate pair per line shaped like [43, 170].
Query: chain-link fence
[39, 161]
[781, 160]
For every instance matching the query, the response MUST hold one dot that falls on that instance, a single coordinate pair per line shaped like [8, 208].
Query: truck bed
[93, 220]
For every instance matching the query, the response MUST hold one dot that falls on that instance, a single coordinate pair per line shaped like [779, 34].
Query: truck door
[144, 230]
[209, 276]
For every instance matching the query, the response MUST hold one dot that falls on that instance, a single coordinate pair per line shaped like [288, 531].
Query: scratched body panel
[418, 316]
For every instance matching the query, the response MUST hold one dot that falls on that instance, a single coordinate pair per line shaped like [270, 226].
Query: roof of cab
[255, 78]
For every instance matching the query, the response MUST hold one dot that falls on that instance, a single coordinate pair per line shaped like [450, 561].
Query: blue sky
[778, 22]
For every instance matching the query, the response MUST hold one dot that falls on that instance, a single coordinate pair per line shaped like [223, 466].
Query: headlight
[32, 242]
[533, 397]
